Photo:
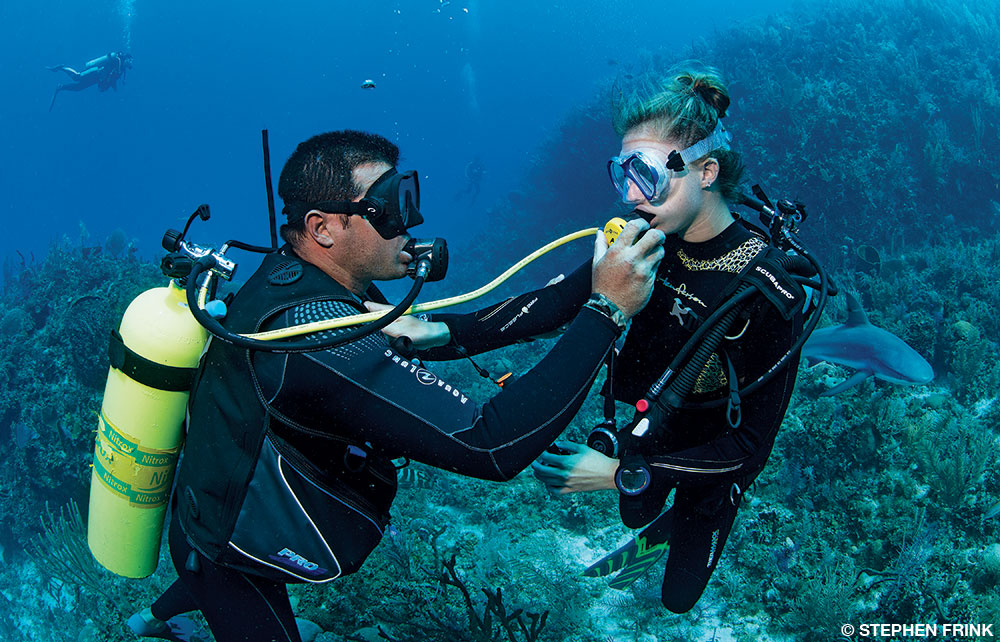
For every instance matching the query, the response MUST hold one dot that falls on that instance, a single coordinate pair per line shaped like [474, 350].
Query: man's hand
[423, 334]
[626, 271]
[575, 468]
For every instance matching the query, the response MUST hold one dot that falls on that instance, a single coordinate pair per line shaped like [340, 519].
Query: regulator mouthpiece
[613, 228]
[433, 252]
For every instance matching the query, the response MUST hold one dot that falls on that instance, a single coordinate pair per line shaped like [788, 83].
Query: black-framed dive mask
[391, 205]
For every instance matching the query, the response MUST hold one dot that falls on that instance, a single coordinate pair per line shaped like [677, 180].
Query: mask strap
[718, 139]
[364, 207]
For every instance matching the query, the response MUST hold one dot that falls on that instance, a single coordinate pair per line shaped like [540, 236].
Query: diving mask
[391, 205]
[651, 173]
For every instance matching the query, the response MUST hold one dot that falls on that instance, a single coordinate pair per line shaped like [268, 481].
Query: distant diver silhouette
[105, 72]
[474, 173]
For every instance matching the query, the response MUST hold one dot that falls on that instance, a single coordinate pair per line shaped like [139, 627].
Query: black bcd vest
[248, 496]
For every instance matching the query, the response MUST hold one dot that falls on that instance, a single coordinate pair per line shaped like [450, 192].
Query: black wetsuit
[701, 456]
[339, 416]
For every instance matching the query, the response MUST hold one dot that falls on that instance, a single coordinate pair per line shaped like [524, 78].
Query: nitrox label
[140, 475]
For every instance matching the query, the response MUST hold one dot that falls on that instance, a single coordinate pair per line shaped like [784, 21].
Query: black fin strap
[149, 373]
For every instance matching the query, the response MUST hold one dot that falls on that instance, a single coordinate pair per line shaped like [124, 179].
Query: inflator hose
[684, 382]
[826, 288]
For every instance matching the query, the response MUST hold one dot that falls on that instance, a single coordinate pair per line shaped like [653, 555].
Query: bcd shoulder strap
[768, 274]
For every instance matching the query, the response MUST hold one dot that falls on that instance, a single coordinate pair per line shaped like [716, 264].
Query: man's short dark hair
[320, 170]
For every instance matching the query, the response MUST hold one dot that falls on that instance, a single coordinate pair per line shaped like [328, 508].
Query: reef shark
[869, 350]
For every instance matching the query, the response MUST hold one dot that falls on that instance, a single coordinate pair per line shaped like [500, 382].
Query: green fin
[611, 562]
[646, 555]
[634, 558]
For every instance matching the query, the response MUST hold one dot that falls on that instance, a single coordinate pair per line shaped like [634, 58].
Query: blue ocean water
[455, 80]
[880, 505]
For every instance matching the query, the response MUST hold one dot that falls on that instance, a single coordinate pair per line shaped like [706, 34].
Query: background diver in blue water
[676, 170]
[287, 474]
[104, 72]
[474, 172]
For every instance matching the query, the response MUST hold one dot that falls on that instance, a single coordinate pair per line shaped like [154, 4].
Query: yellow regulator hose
[611, 231]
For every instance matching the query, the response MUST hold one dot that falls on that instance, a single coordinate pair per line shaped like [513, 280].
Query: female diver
[676, 170]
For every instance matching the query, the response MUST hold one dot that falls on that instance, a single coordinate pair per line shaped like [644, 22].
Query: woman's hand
[423, 334]
[575, 468]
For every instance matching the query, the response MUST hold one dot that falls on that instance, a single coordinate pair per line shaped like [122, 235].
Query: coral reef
[879, 505]
[879, 116]
[57, 315]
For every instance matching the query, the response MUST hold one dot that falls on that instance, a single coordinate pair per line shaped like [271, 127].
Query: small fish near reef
[411, 476]
[870, 351]
[23, 434]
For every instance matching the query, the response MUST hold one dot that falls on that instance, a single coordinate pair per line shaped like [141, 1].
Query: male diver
[105, 72]
[287, 474]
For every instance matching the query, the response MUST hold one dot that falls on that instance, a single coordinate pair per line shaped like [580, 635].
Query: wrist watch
[607, 307]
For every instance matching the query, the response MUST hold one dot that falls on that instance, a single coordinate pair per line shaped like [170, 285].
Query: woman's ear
[709, 172]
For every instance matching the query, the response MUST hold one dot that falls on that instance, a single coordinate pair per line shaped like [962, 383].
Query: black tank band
[149, 373]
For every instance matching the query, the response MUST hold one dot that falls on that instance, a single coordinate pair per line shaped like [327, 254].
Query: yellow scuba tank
[154, 356]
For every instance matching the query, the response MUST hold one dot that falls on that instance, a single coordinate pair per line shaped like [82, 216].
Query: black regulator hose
[667, 395]
[217, 330]
[826, 288]
[683, 383]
